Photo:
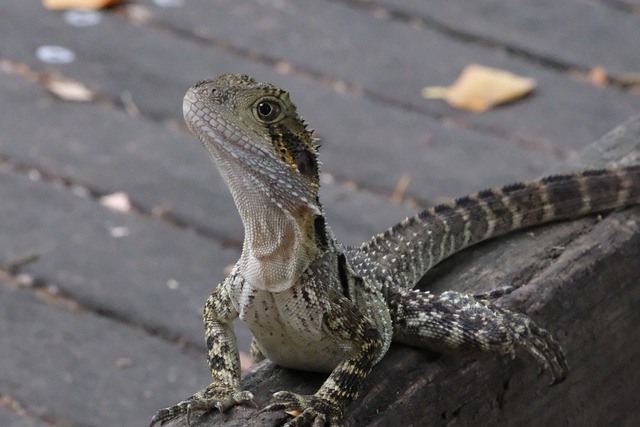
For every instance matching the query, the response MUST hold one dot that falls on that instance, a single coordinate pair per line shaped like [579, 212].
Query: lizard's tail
[405, 252]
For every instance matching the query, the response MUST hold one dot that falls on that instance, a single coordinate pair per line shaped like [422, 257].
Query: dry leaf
[480, 88]
[598, 76]
[12, 404]
[78, 4]
[69, 90]
[401, 188]
[245, 361]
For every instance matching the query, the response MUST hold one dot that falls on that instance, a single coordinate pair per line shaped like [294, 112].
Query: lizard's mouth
[222, 136]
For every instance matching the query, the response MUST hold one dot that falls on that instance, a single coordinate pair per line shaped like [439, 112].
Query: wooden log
[579, 279]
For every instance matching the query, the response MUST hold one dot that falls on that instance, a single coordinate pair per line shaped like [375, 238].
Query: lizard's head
[256, 138]
[267, 157]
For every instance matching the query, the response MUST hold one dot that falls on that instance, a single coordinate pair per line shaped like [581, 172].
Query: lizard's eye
[268, 110]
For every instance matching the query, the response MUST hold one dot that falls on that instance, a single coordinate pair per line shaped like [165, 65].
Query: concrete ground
[104, 327]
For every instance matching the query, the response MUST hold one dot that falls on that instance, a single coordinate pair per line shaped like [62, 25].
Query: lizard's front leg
[466, 324]
[349, 327]
[224, 362]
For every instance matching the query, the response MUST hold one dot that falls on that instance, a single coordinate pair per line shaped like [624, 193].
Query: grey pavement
[105, 327]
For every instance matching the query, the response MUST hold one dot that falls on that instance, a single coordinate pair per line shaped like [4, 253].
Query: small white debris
[169, 3]
[34, 175]
[326, 179]
[82, 17]
[25, 280]
[173, 284]
[138, 14]
[51, 54]
[80, 191]
[119, 231]
[117, 201]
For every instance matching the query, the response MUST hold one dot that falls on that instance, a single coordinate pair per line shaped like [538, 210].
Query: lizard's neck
[278, 244]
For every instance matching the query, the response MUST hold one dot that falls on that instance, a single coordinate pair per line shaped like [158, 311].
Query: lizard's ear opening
[307, 163]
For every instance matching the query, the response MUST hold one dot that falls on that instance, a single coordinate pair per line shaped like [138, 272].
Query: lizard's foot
[471, 324]
[205, 400]
[540, 343]
[308, 410]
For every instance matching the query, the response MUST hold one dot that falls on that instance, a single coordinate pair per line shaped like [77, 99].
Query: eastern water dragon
[314, 304]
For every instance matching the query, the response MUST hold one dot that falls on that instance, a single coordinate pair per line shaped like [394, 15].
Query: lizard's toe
[210, 398]
[307, 410]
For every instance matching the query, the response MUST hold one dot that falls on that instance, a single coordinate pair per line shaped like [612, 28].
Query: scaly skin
[312, 304]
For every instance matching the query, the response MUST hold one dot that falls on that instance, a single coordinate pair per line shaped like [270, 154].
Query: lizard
[312, 303]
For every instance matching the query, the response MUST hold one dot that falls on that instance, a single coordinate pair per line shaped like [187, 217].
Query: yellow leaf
[401, 188]
[78, 4]
[480, 88]
[598, 77]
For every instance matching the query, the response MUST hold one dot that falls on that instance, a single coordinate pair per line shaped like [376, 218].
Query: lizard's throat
[276, 249]
[280, 228]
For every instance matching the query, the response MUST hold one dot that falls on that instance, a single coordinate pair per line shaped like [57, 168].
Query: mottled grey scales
[315, 305]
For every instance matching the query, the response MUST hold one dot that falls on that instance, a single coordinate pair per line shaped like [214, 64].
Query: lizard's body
[312, 304]
[261, 310]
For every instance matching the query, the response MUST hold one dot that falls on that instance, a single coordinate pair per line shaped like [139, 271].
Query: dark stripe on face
[307, 163]
[298, 146]
[277, 141]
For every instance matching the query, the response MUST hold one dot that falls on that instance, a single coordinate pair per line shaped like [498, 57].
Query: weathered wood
[577, 278]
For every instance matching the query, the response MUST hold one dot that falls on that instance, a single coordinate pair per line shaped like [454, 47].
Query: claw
[189, 415]
[205, 400]
[307, 410]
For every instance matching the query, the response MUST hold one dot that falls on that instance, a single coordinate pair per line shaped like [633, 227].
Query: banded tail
[405, 252]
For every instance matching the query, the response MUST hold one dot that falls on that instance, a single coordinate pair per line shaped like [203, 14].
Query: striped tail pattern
[406, 251]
